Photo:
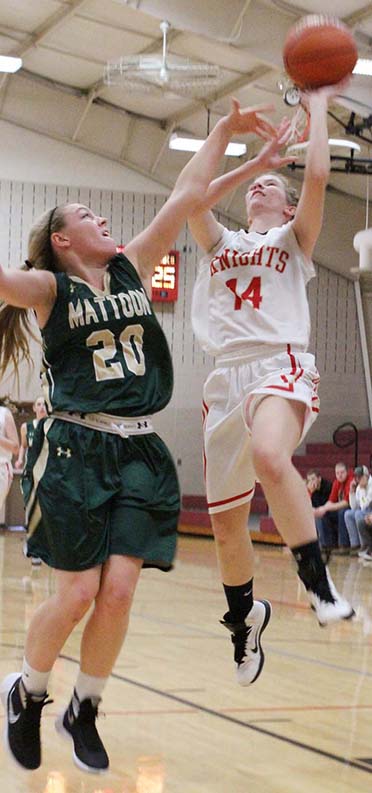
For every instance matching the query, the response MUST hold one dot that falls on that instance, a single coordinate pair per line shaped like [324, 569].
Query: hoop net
[300, 125]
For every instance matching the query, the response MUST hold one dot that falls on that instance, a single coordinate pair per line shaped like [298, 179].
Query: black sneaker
[79, 723]
[23, 713]
[246, 638]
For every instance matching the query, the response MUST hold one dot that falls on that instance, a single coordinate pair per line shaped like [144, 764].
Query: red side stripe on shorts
[205, 411]
[229, 500]
[294, 373]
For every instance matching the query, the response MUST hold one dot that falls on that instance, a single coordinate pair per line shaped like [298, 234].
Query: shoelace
[316, 580]
[239, 640]
[88, 713]
[323, 591]
[32, 715]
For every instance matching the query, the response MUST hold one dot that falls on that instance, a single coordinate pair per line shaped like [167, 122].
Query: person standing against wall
[9, 446]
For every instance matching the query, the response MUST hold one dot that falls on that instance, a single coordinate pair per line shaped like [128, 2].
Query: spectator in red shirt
[338, 503]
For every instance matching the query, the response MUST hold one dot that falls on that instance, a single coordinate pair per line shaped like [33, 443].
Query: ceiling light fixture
[10, 65]
[335, 142]
[363, 66]
[181, 142]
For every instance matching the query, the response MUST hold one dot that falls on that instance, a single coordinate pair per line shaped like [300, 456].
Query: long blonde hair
[15, 323]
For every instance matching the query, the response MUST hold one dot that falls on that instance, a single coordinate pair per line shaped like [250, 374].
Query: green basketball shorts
[90, 494]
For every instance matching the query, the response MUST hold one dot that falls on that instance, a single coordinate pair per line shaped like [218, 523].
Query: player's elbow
[318, 174]
[192, 198]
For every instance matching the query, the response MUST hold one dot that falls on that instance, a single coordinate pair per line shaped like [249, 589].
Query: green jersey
[104, 350]
[30, 431]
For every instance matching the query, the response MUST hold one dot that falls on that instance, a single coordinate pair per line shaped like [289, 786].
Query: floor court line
[281, 653]
[317, 662]
[236, 721]
[270, 647]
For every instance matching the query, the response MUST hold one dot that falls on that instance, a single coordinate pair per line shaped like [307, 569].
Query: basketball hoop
[300, 126]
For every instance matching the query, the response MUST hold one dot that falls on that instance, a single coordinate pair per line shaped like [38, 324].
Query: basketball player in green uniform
[102, 493]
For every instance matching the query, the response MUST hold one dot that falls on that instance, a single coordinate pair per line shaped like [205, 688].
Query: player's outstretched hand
[269, 158]
[250, 119]
[327, 92]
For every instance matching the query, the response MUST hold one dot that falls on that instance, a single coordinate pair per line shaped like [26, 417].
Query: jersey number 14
[252, 293]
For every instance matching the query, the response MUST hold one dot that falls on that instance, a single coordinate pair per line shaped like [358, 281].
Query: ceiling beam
[128, 138]
[54, 85]
[358, 16]
[51, 23]
[227, 90]
[34, 38]
[168, 131]
[90, 99]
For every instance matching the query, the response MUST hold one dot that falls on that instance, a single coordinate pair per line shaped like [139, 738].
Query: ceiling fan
[163, 72]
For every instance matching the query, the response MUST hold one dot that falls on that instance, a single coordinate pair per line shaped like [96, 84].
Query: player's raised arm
[204, 227]
[191, 186]
[309, 214]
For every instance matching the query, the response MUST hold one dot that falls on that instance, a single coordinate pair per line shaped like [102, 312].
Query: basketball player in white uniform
[28, 429]
[250, 311]
[8, 446]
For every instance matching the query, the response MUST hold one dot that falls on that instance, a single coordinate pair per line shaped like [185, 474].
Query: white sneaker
[327, 603]
[36, 561]
[246, 638]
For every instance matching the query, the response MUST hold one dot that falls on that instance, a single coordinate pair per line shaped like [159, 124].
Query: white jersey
[250, 292]
[5, 456]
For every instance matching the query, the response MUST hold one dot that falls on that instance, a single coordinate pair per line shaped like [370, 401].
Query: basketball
[319, 50]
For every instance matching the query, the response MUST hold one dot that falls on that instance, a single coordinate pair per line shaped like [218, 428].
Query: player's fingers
[235, 104]
[261, 133]
[269, 108]
[285, 123]
[288, 160]
[284, 136]
[265, 123]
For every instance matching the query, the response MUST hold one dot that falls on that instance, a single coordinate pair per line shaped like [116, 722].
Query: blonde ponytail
[16, 323]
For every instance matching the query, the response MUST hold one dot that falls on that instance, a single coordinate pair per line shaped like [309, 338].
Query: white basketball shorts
[231, 395]
[6, 476]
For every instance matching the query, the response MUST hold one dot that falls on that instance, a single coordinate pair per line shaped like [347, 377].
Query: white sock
[34, 682]
[87, 686]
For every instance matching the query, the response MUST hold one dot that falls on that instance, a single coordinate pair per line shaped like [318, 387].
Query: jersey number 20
[131, 340]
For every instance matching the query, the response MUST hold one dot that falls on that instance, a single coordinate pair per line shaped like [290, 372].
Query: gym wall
[335, 334]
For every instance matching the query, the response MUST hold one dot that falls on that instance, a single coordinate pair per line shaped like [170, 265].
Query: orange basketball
[319, 50]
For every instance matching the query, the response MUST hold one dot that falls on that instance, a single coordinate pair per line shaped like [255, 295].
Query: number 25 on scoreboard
[165, 279]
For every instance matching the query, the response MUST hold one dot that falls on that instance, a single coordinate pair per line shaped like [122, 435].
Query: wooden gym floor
[175, 720]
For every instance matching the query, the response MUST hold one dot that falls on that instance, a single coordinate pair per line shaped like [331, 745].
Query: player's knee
[222, 529]
[270, 465]
[78, 601]
[117, 596]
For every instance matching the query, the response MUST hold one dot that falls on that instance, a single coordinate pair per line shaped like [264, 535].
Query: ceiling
[64, 44]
